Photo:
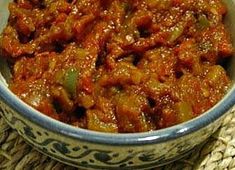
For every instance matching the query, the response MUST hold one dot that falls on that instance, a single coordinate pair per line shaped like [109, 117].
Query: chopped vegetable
[184, 111]
[95, 123]
[70, 80]
[203, 21]
[176, 33]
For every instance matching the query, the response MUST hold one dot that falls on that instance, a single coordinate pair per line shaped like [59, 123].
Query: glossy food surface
[121, 65]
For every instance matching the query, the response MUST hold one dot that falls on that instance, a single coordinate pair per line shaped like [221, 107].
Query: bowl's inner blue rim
[158, 136]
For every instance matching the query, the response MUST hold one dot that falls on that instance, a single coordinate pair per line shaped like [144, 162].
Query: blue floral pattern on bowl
[90, 155]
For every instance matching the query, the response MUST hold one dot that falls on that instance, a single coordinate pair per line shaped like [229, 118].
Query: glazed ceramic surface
[94, 150]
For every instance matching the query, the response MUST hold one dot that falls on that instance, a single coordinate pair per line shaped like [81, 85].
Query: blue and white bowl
[94, 150]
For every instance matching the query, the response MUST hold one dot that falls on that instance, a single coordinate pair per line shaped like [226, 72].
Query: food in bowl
[118, 66]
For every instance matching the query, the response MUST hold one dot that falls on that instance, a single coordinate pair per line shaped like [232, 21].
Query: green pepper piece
[203, 21]
[70, 81]
[176, 33]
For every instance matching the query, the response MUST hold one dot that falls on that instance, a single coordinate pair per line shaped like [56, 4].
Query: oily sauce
[118, 65]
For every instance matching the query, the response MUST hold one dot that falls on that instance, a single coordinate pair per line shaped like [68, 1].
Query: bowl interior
[191, 125]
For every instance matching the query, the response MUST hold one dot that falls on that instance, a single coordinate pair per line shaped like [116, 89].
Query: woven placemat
[217, 153]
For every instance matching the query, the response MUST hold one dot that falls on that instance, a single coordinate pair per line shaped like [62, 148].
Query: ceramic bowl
[93, 150]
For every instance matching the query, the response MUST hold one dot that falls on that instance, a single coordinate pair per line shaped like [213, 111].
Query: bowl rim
[134, 139]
